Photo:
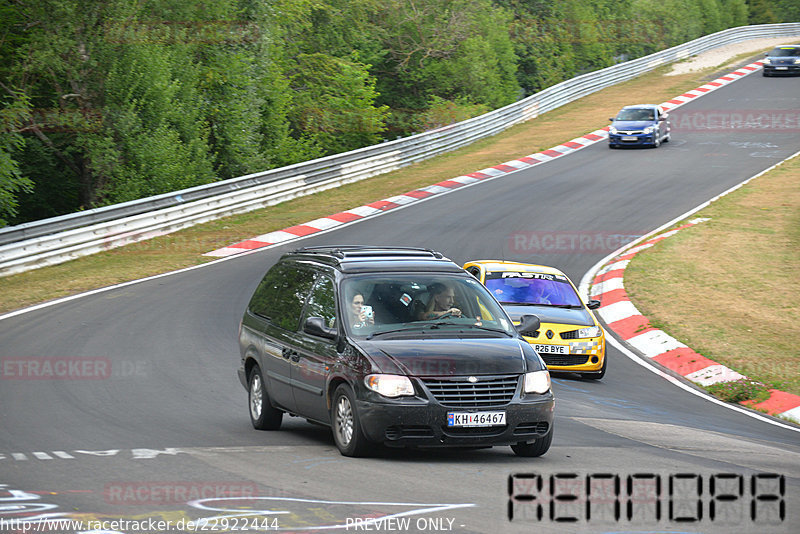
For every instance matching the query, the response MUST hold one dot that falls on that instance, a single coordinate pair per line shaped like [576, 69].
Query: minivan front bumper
[423, 423]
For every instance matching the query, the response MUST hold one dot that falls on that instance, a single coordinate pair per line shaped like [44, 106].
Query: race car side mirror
[593, 304]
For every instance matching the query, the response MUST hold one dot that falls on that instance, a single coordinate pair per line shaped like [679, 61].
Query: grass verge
[725, 287]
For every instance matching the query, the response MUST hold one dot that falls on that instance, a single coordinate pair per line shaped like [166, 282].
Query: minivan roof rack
[353, 251]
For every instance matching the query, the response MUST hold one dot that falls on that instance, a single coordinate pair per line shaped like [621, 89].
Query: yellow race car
[570, 337]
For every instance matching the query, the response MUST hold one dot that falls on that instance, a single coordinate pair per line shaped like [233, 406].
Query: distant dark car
[639, 125]
[782, 60]
[350, 337]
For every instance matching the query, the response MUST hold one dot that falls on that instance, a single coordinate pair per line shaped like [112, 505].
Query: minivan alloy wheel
[256, 396]
[344, 420]
[262, 414]
[347, 432]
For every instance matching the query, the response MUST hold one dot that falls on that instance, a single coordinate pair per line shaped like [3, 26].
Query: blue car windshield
[785, 52]
[532, 288]
[636, 115]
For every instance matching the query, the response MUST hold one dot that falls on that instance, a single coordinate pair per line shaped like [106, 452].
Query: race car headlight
[589, 331]
[649, 129]
[537, 382]
[389, 385]
[612, 130]
[767, 61]
[797, 61]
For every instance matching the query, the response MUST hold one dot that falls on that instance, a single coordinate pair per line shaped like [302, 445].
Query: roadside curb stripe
[622, 317]
[449, 185]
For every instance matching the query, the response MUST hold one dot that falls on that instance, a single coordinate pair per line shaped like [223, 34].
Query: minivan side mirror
[315, 326]
[528, 324]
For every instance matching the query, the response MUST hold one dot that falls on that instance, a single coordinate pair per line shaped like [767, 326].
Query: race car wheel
[656, 141]
[262, 414]
[597, 376]
[347, 434]
[537, 448]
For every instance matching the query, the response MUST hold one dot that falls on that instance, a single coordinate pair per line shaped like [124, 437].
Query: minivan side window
[322, 302]
[281, 294]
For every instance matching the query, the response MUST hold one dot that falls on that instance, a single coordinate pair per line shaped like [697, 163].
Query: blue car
[782, 60]
[639, 125]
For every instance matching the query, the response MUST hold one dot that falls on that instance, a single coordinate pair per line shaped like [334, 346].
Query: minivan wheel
[262, 414]
[537, 448]
[347, 434]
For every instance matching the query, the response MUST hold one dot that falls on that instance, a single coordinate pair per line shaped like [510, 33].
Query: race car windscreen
[787, 51]
[634, 114]
[514, 288]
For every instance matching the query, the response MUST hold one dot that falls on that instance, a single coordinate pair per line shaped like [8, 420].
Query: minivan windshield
[375, 304]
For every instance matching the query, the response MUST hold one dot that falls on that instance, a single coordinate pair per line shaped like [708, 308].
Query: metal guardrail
[55, 240]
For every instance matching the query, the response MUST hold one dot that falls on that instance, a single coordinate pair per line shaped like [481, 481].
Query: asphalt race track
[158, 425]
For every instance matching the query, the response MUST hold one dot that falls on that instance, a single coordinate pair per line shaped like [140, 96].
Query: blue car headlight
[649, 129]
[612, 130]
[767, 61]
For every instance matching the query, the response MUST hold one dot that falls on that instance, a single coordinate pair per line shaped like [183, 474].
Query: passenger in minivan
[442, 303]
[360, 315]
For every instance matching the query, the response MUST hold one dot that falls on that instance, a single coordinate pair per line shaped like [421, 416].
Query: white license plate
[552, 349]
[476, 419]
[629, 138]
[781, 68]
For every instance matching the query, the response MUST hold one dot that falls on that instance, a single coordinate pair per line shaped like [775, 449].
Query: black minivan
[392, 345]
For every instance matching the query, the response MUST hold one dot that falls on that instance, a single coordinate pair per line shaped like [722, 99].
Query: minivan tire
[262, 414]
[345, 423]
[537, 448]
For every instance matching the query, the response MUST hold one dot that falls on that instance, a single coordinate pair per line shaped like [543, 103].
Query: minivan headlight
[537, 382]
[589, 331]
[389, 385]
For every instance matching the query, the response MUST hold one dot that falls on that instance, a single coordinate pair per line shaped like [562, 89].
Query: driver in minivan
[442, 299]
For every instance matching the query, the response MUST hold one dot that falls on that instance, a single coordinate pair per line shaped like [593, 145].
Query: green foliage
[443, 112]
[110, 100]
[14, 113]
[333, 101]
[740, 390]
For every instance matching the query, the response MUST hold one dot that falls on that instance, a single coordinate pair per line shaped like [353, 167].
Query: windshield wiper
[470, 325]
[394, 331]
[542, 304]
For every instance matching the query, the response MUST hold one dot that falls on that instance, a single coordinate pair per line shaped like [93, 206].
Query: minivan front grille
[487, 391]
